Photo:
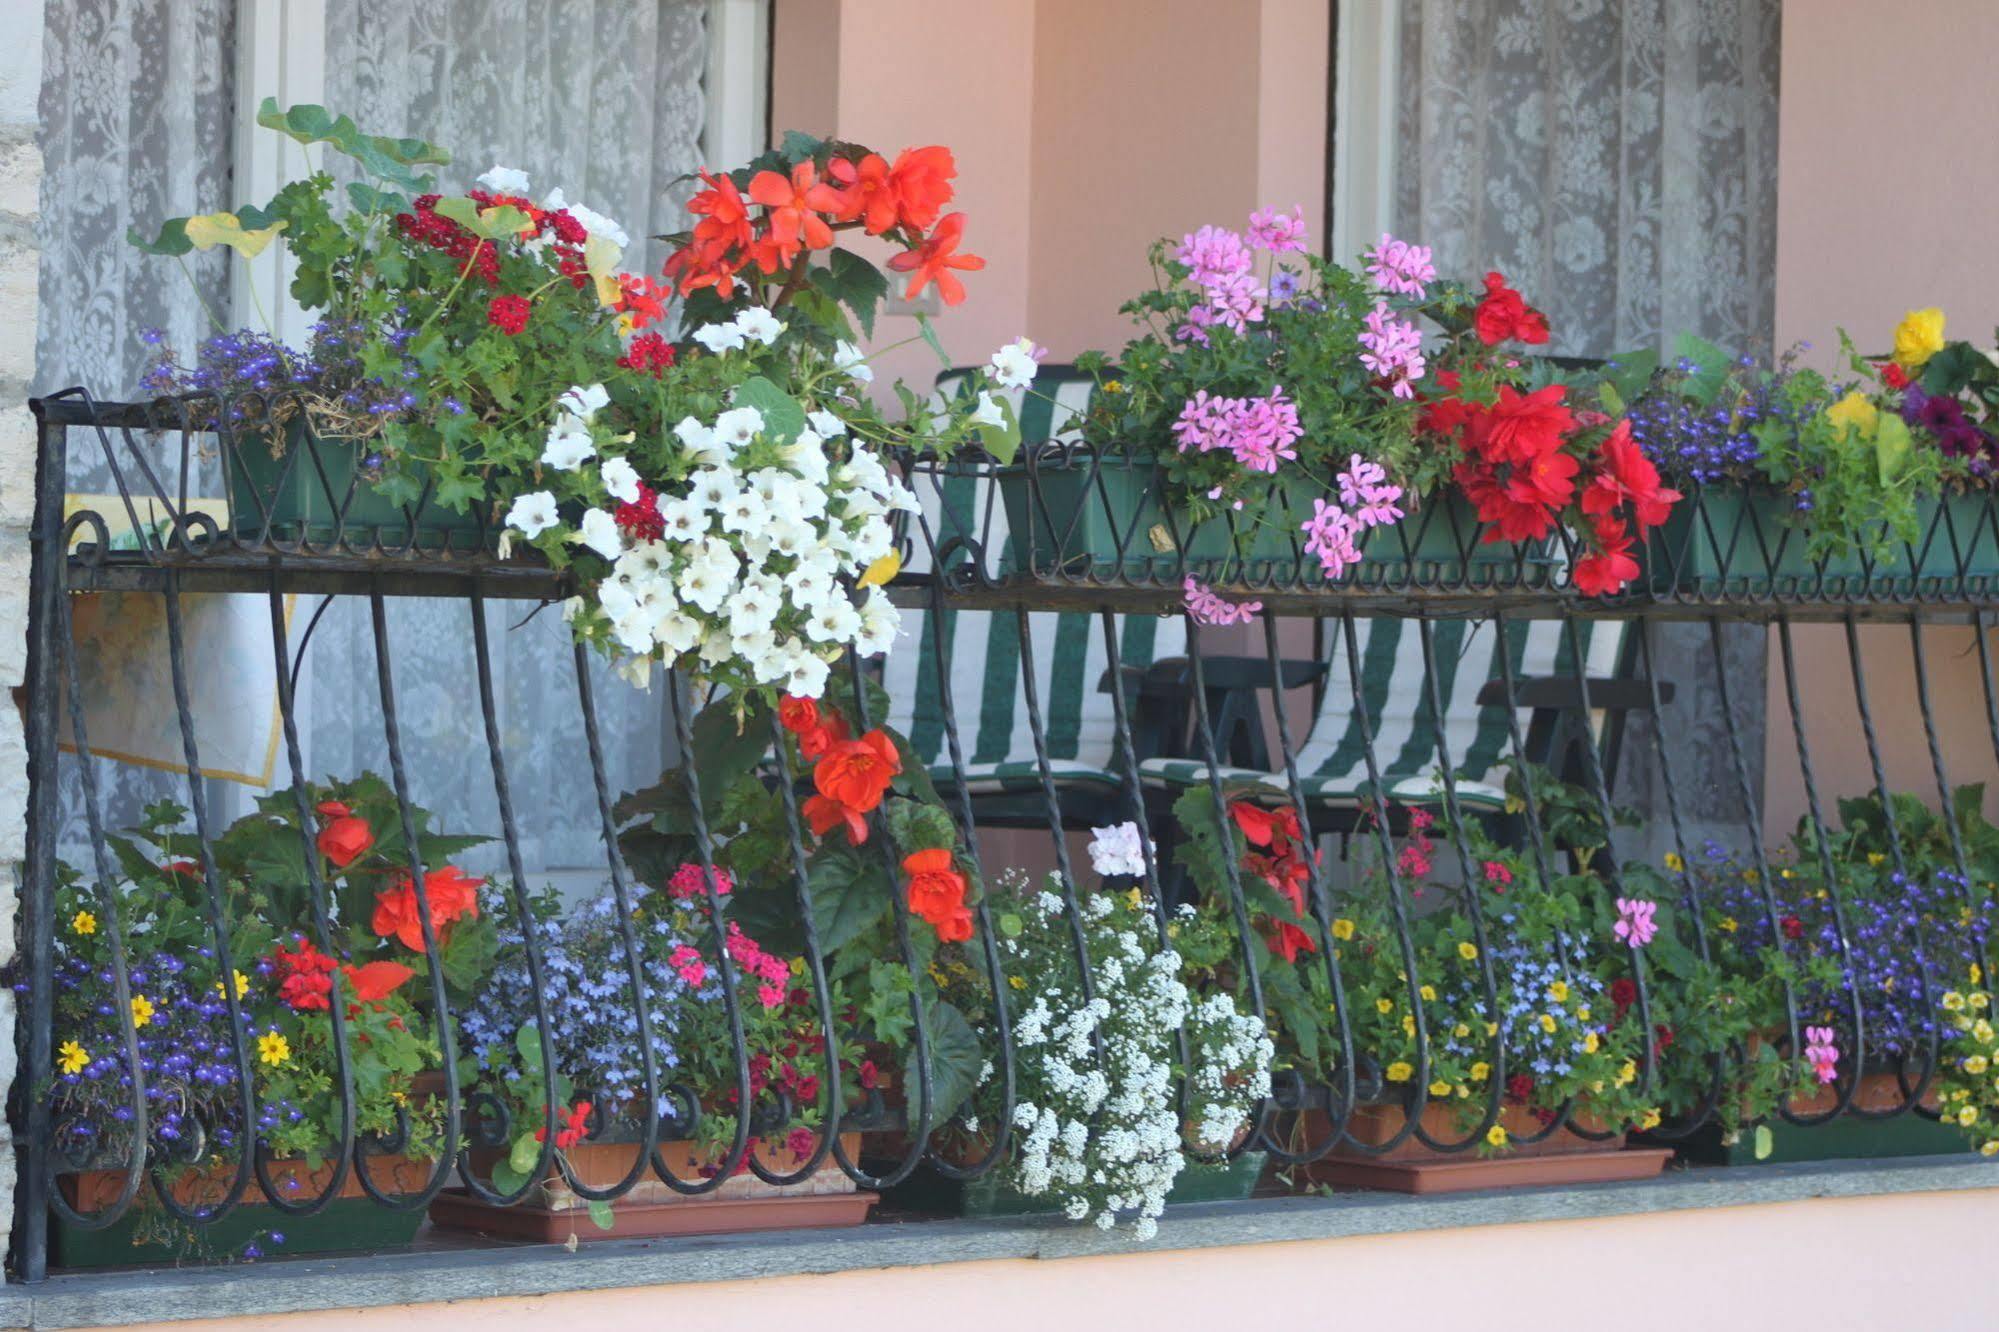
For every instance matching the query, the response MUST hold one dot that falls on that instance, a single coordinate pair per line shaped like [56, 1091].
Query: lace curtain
[1617, 160]
[138, 103]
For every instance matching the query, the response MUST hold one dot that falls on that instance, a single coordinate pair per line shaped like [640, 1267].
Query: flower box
[316, 489]
[146, 1235]
[1730, 542]
[552, 1212]
[1849, 1137]
[932, 1193]
[1412, 1167]
[1075, 512]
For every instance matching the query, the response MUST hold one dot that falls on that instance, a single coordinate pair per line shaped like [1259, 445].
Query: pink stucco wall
[1914, 1260]
[1888, 178]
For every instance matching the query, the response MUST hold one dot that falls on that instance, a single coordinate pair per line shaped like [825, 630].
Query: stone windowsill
[303, 1284]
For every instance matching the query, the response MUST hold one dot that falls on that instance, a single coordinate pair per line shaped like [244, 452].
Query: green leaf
[860, 286]
[524, 1153]
[955, 1059]
[171, 241]
[930, 336]
[783, 417]
[601, 1213]
[1711, 366]
[527, 1042]
[507, 1179]
[1765, 1142]
[728, 748]
[1633, 372]
[849, 894]
[1003, 443]
[368, 199]
[1891, 446]
[463, 211]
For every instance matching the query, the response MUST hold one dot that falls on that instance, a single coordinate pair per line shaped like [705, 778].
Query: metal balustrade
[1058, 563]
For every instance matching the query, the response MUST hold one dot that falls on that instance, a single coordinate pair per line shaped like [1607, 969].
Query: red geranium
[573, 1123]
[304, 975]
[1623, 993]
[640, 518]
[376, 981]
[1503, 316]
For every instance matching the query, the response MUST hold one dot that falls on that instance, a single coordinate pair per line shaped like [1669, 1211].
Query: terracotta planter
[552, 1212]
[1412, 1167]
[1849, 1137]
[147, 1235]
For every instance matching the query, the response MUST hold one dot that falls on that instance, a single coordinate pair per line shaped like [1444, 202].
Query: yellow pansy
[1627, 1074]
[1016, 982]
[1982, 1030]
[797, 966]
[1674, 862]
[1440, 1089]
[1785, 873]
[1384, 1005]
[1875, 858]
[1977, 973]
[1583, 1012]
[1491, 1030]
[1496, 1135]
[1408, 1024]
[1468, 951]
[1918, 337]
[1967, 1116]
[1651, 1120]
[1559, 991]
[1975, 1065]
[1728, 924]
[1461, 1031]
[1590, 1043]
[1952, 1001]
[72, 1058]
[142, 1010]
[1547, 1023]
[242, 986]
[1428, 993]
[1400, 1071]
[83, 923]
[1989, 1148]
[1751, 875]
[1481, 1071]
[1343, 929]
[273, 1048]
[1979, 1001]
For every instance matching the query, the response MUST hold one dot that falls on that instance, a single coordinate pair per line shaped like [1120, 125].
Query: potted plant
[199, 1027]
[1873, 480]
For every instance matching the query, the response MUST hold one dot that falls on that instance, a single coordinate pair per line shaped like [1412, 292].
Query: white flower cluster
[1098, 1119]
[1119, 851]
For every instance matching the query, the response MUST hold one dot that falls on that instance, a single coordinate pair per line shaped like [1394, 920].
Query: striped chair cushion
[987, 696]
[1332, 761]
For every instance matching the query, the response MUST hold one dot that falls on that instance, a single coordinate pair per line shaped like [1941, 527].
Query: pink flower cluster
[1278, 233]
[1209, 608]
[686, 882]
[758, 965]
[1393, 350]
[1366, 500]
[1415, 858]
[1399, 268]
[1822, 1053]
[1260, 432]
[1636, 923]
[1220, 263]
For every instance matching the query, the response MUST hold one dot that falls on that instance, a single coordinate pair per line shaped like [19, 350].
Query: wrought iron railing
[1064, 532]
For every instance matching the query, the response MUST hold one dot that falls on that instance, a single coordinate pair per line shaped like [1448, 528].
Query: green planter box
[313, 490]
[1846, 1138]
[147, 1237]
[929, 1192]
[1732, 541]
[1104, 517]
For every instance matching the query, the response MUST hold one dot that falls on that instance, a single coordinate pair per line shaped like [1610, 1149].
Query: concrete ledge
[299, 1285]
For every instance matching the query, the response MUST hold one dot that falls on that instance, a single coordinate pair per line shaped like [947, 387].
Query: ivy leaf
[527, 1043]
[1711, 365]
[507, 1179]
[783, 417]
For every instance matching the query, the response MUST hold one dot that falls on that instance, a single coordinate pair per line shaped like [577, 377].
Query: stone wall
[20, 180]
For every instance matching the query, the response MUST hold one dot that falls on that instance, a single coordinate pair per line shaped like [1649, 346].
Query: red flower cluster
[425, 227]
[572, 1125]
[640, 519]
[509, 314]
[800, 211]
[451, 894]
[649, 353]
[850, 776]
[304, 976]
[1502, 316]
[937, 893]
[1277, 856]
[344, 837]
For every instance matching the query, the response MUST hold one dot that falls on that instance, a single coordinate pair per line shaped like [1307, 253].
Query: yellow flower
[1785, 873]
[1967, 1116]
[1583, 1012]
[1559, 991]
[1976, 1065]
[72, 1058]
[1491, 1030]
[1751, 875]
[1408, 1024]
[242, 986]
[400, 1097]
[798, 966]
[1429, 994]
[1016, 982]
[142, 1010]
[1114, 386]
[1548, 1023]
[1977, 973]
[1989, 1148]
[1590, 1043]
[1384, 1006]
[1918, 337]
[1343, 929]
[1627, 1074]
[1461, 1031]
[1979, 1001]
[1982, 1030]
[1468, 951]
[1463, 1091]
[1651, 1120]
[273, 1048]
[1728, 924]
[1400, 1071]
[1496, 1135]
[1875, 858]
[83, 923]
[1952, 1001]
[1674, 863]
[1481, 1071]
[1440, 1089]
[1134, 900]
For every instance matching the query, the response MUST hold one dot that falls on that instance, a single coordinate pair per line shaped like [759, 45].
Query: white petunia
[807, 677]
[1014, 366]
[621, 479]
[693, 435]
[719, 338]
[533, 514]
[806, 456]
[853, 362]
[583, 402]
[682, 518]
[737, 427]
[828, 424]
[677, 631]
[600, 532]
[713, 487]
[504, 180]
[744, 513]
[880, 622]
[759, 325]
[989, 412]
[568, 445]
[836, 621]
[593, 221]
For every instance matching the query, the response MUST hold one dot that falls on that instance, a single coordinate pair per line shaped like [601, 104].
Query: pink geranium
[1636, 923]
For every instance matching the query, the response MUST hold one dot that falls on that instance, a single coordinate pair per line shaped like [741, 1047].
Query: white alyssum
[1119, 850]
